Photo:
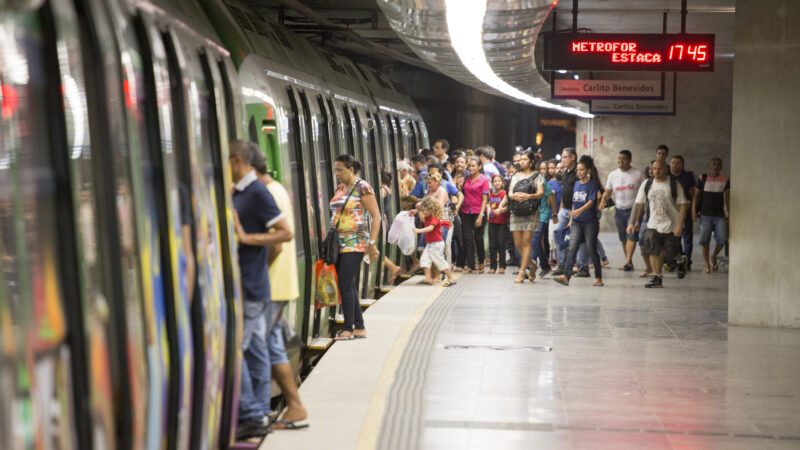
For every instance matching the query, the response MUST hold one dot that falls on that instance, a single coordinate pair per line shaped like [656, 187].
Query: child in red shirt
[498, 225]
[430, 212]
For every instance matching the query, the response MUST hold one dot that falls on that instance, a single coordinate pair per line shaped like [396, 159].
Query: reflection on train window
[348, 133]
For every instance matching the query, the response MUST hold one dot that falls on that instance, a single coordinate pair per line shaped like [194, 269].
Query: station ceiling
[360, 26]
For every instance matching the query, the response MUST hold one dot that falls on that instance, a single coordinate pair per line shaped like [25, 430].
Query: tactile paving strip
[403, 421]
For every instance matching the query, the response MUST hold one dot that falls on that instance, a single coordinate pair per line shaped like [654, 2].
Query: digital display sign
[629, 52]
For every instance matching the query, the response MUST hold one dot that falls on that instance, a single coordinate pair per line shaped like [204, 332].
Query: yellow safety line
[370, 429]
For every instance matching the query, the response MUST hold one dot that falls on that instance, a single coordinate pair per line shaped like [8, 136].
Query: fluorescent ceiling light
[465, 25]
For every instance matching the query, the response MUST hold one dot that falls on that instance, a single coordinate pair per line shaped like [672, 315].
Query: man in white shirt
[624, 183]
[666, 202]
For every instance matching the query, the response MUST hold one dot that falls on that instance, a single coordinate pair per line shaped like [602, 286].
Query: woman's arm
[484, 201]
[371, 204]
[503, 206]
[539, 193]
[460, 201]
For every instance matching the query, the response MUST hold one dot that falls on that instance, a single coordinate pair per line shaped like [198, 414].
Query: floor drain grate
[542, 348]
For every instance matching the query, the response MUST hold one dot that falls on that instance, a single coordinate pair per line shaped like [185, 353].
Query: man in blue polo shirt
[256, 213]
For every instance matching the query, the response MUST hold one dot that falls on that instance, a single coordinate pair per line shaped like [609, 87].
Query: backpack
[673, 189]
[700, 186]
[528, 207]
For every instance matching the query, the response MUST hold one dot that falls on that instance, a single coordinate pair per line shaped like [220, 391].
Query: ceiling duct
[486, 44]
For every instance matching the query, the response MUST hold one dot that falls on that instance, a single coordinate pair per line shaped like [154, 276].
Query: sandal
[491, 271]
[394, 276]
[562, 280]
[532, 268]
[520, 278]
[599, 283]
[707, 269]
[501, 271]
[644, 274]
[341, 336]
[448, 283]
[360, 333]
[288, 425]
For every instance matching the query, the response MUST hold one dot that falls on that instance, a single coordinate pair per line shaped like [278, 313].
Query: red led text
[679, 52]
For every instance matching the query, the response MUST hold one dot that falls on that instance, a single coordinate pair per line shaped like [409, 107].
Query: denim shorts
[621, 219]
[275, 345]
[710, 224]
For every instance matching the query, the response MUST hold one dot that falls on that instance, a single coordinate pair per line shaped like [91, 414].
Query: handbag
[330, 245]
[528, 207]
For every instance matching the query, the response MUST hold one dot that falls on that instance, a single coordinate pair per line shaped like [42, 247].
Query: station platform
[489, 364]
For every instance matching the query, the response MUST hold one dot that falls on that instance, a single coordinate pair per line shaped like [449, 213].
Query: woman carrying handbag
[353, 198]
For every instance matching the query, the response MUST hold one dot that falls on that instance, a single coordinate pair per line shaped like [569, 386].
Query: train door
[299, 176]
[43, 362]
[413, 142]
[402, 139]
[113, 159]
[216, 154]
[174, 214]
[192, 102]
[349, 132]
[320, 195]
[362, 143]
[326, 130]
[388, 206]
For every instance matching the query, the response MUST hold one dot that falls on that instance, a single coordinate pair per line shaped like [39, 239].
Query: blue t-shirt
[555, 186]
[544, 205]
[257, 212]
[582, 194]
[421, 188]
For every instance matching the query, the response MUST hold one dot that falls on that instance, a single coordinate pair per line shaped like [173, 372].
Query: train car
[120, 298]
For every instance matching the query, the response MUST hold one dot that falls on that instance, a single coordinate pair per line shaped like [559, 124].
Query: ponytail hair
[587, 162]
[350, 162]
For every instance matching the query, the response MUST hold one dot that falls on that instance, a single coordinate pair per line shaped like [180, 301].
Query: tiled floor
[630, 368]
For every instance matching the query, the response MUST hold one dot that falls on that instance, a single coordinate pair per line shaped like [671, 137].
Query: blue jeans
[561, 232]
[709, 224]
[583, 232]
[254, 399]
[538, 249]
[584, 258]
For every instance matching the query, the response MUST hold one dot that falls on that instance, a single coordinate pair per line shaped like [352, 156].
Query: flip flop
[599, 284]
[343, 337]
[394, 276]
[289, 425]
[645, 275]
[448, 283]
[561, 280]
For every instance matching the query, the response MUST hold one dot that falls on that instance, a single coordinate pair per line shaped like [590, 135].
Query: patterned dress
[354, 227]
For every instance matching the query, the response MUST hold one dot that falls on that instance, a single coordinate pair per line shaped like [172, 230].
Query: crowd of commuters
[543, 218]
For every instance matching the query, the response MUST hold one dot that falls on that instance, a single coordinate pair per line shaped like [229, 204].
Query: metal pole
[575, 15]
[683, 15]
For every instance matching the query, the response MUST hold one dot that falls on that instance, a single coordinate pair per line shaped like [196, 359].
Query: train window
[228, 105]
[413, 137]
[313, 152]
[325, 155]
[360, 147]
[334, 130]
[348, 133]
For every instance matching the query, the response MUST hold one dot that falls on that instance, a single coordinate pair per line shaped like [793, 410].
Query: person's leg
[583, 259]
[494, 246]
[590, 235]
[536, 243]
[480, 245]
[260, 372]
[601, 250]
[645, 257]
[706, 228]
[720, 236]
[502, 237]
[575, 240]
[560, 233]
[541, 247]
[346, 270]
[281, 370]
[468, 229]
[525, 252]
[688, 238]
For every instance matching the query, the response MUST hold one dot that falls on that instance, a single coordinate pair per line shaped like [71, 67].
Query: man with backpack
[711, 199]
[667, 206]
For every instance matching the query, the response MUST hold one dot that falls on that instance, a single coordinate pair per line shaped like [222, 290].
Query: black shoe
[654, 283]
[628, 267]
[681, 267]
[557, 272]
[251, 429]
[583, 273]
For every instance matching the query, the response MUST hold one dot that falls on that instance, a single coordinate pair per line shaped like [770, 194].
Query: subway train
[120, 299]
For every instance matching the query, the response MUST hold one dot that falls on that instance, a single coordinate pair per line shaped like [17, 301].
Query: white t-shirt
[490, 169]
[625, 186]
[664, 213]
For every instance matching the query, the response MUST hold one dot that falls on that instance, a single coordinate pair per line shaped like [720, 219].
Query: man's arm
[274, 251]
[681, 218]
[281, 233]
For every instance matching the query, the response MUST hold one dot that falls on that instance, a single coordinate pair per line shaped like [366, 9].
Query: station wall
[699, 130]
[764, 289]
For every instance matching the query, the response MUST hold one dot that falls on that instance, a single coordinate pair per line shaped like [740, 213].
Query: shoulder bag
[330, 246]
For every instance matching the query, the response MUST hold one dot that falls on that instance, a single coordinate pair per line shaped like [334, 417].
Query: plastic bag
[327, 292]
[291, 340]
[402, 234]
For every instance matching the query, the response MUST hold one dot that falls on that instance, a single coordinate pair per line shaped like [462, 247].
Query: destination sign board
[629, 52]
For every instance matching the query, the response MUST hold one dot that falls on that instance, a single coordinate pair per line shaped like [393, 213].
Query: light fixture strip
[465, 26]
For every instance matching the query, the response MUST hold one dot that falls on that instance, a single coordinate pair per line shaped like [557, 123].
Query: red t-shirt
[436, 234]
[495, 198]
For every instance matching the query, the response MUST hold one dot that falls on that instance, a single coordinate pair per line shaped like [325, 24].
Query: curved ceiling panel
[499, 61]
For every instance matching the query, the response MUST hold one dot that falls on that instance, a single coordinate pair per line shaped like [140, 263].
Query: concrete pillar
[765, 172]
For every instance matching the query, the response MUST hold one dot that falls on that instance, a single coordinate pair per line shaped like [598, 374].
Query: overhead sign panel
[629, 52]
[607, 89]
[663, 107]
